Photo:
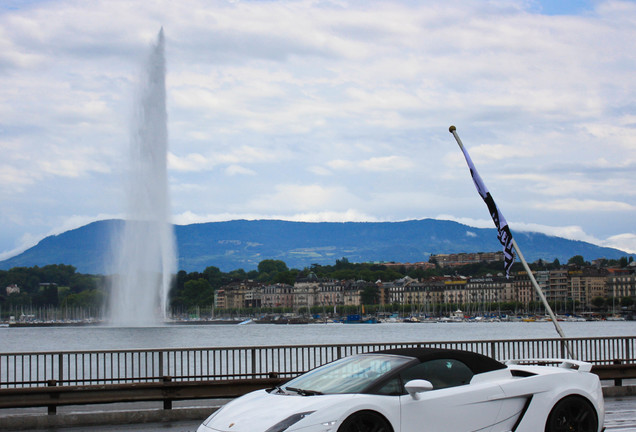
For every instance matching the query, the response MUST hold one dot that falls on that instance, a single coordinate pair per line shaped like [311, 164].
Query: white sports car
[423, 389]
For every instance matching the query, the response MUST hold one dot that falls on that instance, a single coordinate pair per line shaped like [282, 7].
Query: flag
[503, 232]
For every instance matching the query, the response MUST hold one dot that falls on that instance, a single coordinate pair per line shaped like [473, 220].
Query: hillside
[243, 244]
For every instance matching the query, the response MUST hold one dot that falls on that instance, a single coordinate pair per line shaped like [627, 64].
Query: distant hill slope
[243, 244]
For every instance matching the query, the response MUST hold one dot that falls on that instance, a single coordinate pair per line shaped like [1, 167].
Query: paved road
[186, 426]
[620, 414]
[620, 417]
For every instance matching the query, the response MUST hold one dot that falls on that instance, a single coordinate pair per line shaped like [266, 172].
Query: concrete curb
[44, 421]
[619, 391]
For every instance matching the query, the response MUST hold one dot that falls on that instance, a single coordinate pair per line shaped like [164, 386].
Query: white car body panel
[259, 410]
[550, 385]
[463, 408]
[515, 398]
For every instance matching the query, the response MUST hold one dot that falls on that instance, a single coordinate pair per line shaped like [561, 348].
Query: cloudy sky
[326, 111]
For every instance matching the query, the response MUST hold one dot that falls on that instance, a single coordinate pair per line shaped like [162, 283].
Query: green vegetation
[51, 285]
[61, 287]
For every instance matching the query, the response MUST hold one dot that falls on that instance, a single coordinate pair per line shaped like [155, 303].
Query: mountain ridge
[235, 244]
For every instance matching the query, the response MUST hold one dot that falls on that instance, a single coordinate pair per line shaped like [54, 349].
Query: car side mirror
[414, 387]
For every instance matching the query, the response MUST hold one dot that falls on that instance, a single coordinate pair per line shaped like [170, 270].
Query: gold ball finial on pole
[452, 129]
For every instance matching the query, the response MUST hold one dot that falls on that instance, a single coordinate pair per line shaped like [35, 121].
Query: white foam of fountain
[145, 253]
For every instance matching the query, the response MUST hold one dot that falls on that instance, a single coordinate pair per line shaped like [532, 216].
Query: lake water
[201, 336]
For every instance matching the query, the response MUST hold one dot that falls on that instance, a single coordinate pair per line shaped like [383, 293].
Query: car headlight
[292, 419]
[328, 425]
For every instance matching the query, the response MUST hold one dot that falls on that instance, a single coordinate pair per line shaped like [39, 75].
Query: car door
[453, 405]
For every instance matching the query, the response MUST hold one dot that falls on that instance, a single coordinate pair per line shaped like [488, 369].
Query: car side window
[442, 373]
[393, 387]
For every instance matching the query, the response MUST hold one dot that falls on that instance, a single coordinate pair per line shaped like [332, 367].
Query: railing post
[52, 409]
[253, 353]
[60, 368]
[167, 402]
[618, 382]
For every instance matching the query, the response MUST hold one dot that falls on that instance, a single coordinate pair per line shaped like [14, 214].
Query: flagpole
[535, 284]
[539, 291]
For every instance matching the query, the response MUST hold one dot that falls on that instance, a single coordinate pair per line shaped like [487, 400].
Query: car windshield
[348, 375]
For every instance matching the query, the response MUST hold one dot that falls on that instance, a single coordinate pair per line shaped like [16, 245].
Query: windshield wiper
[303, 392]
[277, 389]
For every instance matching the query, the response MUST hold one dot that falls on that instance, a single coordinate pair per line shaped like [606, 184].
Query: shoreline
[343, 320]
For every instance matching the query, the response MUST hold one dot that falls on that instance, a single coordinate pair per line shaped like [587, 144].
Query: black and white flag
[504, 235]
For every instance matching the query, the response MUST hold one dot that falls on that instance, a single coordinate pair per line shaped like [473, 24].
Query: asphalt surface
[620, 416]
[185, 426]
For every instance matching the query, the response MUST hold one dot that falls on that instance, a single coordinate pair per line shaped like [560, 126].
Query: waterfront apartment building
[239, 295]
[560, 287]
[330, 293]
[621, 283]
[564, 285]
[352, 292]
[455, 291]
[523, 288]
[460, 259]
[490, 289]
[587, 284]
[423, 265]
[396, 290]
[305, 292]
[557, 289]
[277, 295]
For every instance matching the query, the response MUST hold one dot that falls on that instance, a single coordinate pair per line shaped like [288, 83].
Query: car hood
[259, 410]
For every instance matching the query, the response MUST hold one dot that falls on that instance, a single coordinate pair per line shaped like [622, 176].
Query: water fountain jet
[144, 253]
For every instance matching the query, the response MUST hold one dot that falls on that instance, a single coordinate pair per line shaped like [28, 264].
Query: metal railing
[68, 368]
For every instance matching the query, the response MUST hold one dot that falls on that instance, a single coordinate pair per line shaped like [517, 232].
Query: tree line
[56, 285]
[61, 286]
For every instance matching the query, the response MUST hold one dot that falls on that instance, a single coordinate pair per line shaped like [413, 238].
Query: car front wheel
[365, 421]
[572, 414]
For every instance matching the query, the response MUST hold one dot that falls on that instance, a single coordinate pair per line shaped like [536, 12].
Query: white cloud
[14, 179]
[374, 164]
[388, 163]
[585, 205]
[623, 241]
[349, 215]
[626, 242]
[239, 170]
[477, 223]
[190, 162]
[29, 239]
[188, 217]
[498, 152]
[76, 221]
[26, 241]
[571, 232]
[308, 199]
[234, 157]
[319, 170]
[340, 164]
[329, 109]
